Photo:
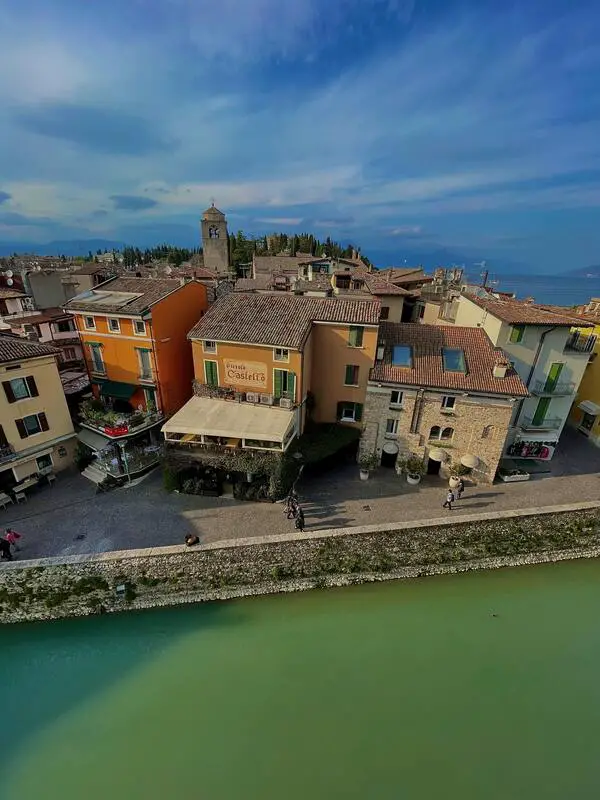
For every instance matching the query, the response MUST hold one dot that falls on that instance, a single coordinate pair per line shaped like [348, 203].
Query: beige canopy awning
[210, 417]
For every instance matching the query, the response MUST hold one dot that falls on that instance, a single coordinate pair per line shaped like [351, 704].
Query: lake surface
[400, 690]
[551, 289]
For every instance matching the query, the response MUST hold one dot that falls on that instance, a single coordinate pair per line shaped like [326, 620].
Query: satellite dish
[9, 282]
[9, 273]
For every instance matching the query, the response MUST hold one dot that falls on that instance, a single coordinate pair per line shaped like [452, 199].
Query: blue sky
[407, 126]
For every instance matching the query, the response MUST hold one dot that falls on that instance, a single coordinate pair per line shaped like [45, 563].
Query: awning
[92, 439]
[589, 408]
[121, 391]
[210, 417]
[469, 461]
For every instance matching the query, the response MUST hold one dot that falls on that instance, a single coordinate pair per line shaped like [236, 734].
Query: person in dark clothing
[5, 550]
[449, 500]
[299, 519]
[292, 506]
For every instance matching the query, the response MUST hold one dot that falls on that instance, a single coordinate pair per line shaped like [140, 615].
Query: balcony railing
[548, 424]
[6, 451]
[114, 424]
[581, 343]
[543, 387]
[256, 398]
[217, 445]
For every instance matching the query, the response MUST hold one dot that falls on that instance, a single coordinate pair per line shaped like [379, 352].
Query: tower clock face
[213, 232]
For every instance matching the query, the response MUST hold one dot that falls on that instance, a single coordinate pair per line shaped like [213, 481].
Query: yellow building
[263, 362]
[585, 412]
[36, 431]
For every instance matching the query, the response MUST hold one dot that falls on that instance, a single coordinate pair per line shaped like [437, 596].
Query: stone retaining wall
[81, 585]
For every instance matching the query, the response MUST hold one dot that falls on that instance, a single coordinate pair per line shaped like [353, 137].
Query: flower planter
[507, 478]
[413, 479]
[364, 474]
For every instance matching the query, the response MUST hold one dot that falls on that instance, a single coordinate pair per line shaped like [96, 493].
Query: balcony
[255, 398]
[581, 343]
[563, 389]
[116, 424]
[548, 424]
[7, 451]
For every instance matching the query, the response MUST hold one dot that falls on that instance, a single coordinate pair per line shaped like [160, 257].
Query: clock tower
[215, 240]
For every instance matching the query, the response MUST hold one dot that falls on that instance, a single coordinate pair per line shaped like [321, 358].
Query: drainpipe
[533, 367]
[158, 381]
[414, 423]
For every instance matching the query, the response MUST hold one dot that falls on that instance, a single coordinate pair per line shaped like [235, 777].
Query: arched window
[488, 432]
[434, 433]
[447, 433]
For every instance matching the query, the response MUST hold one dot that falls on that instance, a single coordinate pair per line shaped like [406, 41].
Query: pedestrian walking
[299, 523]
[11, 537]
[449, 500]
[460, 488]
[292, 506]
[5, 550]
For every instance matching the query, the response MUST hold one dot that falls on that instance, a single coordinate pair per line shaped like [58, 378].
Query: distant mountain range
[586, 272]
[68, 247]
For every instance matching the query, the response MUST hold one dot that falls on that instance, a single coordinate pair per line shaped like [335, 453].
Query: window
[29, 426]
[396, 399]
[150, 397]
[385, 312]
[448, 403]
[211, 373]
[145, 364]
[97, 360]
[421, 312]
[209, 347]
[89, 323]
[349, 412]
[114, 326]
[284, 383]
[516, 333]
[20, 389]
[351, 378]
[454, 360]
[64, 326]
[391, 427]
[401, 355]
[442, 434]
[281, 354]
[44, 462]
[488, 432]
[69, 354]
[139, 327]
[355, 337]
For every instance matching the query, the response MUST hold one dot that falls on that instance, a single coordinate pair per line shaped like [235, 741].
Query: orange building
[134, 337]
[263, 362]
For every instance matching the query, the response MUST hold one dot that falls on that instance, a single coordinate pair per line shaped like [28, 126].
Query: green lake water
[401, 690]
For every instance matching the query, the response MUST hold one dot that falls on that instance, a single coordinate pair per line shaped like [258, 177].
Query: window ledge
[352, 385]
[448, 412]
[390, 435]
[394, 407]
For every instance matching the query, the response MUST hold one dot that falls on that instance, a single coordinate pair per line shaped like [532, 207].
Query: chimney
[380, 352]
[310, 272]
[500, 370]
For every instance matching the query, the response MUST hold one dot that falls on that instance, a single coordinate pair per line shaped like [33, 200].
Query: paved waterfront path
[71, 518]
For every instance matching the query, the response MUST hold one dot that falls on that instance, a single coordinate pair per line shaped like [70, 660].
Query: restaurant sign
[245, 373]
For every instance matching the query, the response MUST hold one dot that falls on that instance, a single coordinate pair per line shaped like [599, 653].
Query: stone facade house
[441, 393]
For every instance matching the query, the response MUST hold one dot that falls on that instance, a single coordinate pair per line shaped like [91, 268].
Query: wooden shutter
[10, 395]
[358, 409]
[291, 390]
[3, 439]
[340, 410]
[352, 336]
[211, 373]
[31, 385]
[21, 428]
[43, 421]
[277, 381]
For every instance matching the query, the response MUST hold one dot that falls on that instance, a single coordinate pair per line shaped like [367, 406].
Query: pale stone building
[215, 241]
[441, 393]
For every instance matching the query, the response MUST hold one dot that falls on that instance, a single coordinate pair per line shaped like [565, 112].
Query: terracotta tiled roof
[402, 274]
[14, 348]
[8, 294]
[48, 315]
[428, 370]
[93, 269]
[287, 264]
[320, 283]
[518, 312]
[149, 291]
[281, 320]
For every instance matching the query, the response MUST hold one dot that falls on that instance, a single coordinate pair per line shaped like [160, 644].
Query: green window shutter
[358, 409]
[210, 373]
[516, 333]
[553, 377]
[349, 375]
[340, 410]
[352, 337]
[291, 390]
[355, 337]
[540, 411]
[277, 381]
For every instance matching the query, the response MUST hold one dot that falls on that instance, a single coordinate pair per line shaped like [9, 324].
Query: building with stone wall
[215, 241]
[441, 393]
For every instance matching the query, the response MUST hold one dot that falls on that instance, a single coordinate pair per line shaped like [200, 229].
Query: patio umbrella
[469, 461]
[437, 454]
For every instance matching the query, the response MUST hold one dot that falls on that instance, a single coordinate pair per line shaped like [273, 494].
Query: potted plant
[366, 463]
[414, 469]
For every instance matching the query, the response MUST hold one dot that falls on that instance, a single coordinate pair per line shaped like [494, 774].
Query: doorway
[433, 467]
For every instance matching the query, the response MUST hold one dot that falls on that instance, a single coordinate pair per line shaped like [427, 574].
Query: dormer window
[209, 347]
[454, 360]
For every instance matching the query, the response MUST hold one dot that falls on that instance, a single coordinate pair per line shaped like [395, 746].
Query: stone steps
[94, 474]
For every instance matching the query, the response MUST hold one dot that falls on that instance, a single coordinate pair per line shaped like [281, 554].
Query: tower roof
[213, 213]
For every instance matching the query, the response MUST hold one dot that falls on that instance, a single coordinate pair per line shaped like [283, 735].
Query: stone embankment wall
[81, 585]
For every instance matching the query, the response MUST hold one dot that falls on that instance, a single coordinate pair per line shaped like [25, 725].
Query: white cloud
[406, 230]
[280, 220]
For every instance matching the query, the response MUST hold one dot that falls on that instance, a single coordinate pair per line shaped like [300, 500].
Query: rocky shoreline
[113, 582]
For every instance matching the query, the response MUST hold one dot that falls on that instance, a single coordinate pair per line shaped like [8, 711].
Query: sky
[466, 129]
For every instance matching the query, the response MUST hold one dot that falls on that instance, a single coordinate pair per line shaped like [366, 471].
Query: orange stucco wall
[166, 336]
[331, 355]
[172, 318]
[259, 361]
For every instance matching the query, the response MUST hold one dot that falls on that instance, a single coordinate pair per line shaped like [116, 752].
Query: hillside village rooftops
[124, 295]
[14, 348]
[443, 357]
[281, 320]
[519, 312]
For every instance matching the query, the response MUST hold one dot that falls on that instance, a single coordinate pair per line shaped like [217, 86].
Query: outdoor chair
[21, 497]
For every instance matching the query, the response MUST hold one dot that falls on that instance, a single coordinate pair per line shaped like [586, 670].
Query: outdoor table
[26, 484]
